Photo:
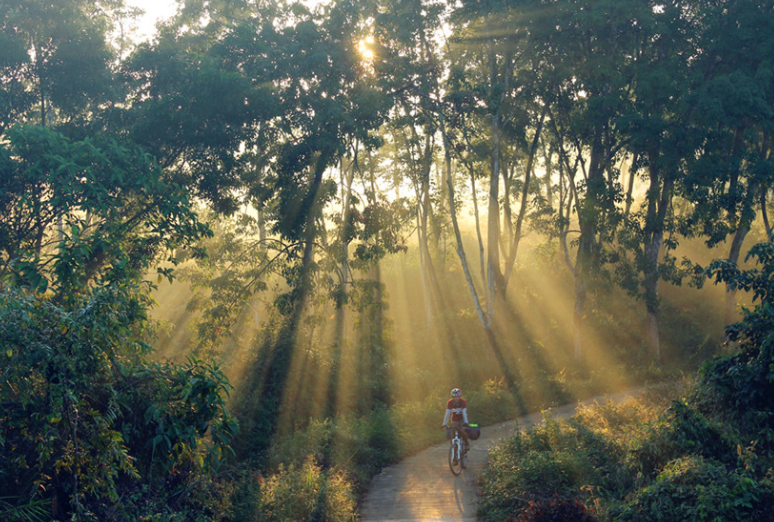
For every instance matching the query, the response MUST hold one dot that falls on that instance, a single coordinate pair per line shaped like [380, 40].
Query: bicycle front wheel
[455, 460]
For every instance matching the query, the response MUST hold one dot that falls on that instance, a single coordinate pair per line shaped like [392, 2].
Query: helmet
[456, 392]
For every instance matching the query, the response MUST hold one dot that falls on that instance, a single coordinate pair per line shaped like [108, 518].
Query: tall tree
[588, 52]
[734, 108]
[60, 52]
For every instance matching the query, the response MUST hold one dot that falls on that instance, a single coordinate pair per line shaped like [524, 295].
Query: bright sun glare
[364, 48]
[154, 11]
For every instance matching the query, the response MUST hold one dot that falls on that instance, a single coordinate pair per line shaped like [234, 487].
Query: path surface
[421, 487]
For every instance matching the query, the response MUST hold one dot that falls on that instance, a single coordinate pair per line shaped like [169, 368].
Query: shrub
[361, 445]
[306, 493]
[557, 459]
[697, 488]
[682, 430]
[85, 422]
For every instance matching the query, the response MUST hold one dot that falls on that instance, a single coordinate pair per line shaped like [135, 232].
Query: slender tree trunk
[477, 218]
[347, 175]
[493, 274]
[483, 317]
[41, 87]
[506, 232]
[548, 160]
[652, 249]
[426, 260]
[493, 224]
[346, 178]
[567, 197]
[744, 224]
[742, 229]
[379, 356]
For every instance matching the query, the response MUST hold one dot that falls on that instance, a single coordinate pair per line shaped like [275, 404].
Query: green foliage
[557, 458]
[695, 488]
[60, 403]
[34, 511]
[362, 446]
[738, 387]
[75, 214]
[185, 424]
[681, 430]
[55, 54]
[84, 420]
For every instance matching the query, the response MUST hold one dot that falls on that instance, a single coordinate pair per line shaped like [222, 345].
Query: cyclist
[457, 412]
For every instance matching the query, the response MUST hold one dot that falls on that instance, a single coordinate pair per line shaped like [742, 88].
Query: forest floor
[421, 487]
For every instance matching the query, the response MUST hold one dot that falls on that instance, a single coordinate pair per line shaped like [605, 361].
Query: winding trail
[421, 487]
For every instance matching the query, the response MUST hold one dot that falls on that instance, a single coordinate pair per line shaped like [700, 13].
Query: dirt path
[421, 487]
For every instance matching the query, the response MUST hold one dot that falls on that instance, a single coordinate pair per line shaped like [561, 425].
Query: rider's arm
[464, 415]
[446, 417]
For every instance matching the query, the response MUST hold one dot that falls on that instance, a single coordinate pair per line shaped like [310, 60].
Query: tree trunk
[547, 158]
[477, 218]
[347, 175]
[493, 225]
[426, 260]
[659, 198]
[652, 249]
[483, 317]
[586, 261]
[729, 315]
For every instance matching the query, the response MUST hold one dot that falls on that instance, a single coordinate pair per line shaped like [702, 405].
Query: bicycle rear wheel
[455, 462]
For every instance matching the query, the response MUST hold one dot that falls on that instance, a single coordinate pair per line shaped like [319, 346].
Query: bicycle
[458, 453]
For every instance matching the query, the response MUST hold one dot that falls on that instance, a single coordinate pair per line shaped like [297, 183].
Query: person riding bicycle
[457, 412]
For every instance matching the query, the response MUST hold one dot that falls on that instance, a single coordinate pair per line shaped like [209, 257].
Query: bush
[682, 430]
[85, 422]
[697, 488]
[362, 446]
[306, 493]
[558, 459]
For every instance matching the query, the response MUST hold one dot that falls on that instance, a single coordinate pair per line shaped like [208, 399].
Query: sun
[364, 48]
